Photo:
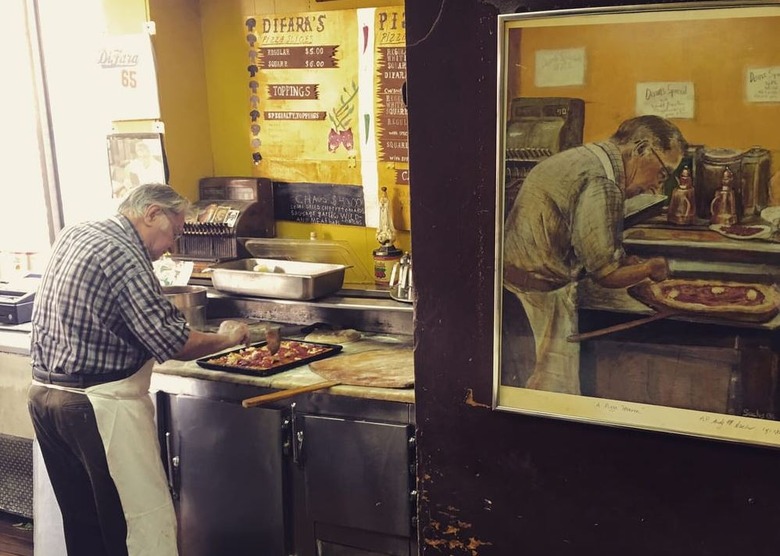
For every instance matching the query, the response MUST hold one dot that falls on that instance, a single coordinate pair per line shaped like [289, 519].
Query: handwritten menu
[668, 100]
[325, 103]
[763, 84]
[319, 202]
[392, 135]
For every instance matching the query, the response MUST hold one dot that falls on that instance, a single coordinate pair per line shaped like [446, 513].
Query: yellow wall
[125, 17]
[181, 78]
[202, 59]
[713, 55]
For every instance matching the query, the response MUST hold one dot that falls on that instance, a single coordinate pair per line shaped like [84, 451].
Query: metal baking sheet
[332, 349]
[278, 279]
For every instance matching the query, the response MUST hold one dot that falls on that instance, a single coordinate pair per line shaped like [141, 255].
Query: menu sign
[303, 102]
[299, 57]
[392, 128]
[325, 104]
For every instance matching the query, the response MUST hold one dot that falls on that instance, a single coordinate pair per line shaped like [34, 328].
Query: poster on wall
[127, 65]
[392, 126]
[324, 91]
[637, 240]
[135, 159]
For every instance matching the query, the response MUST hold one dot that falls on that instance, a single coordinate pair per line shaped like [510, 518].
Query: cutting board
[379, 368]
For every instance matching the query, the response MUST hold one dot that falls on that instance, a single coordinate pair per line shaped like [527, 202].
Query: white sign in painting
[559, 68]
[127, 63]
[665, 99]
[763, 84]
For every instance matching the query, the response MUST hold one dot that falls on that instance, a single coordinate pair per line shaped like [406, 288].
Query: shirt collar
[124, 222]
[617, 162]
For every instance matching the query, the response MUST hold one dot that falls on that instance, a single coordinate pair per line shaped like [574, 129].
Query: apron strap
[604, 159]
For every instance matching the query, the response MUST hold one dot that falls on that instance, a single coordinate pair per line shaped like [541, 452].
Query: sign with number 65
[127, 63]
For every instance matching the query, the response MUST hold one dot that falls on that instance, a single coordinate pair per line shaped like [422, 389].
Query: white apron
[125, 419]
[553, 317]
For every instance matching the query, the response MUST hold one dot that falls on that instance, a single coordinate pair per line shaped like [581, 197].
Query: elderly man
[100, 320]
[567, 222]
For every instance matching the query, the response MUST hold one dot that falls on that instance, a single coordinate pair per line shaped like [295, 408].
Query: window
[54, 162]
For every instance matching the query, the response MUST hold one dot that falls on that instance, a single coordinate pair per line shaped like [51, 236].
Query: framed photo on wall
[638, 205]
[135, 159]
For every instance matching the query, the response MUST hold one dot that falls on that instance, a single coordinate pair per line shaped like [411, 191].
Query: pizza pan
[643, 293]
[332, 349]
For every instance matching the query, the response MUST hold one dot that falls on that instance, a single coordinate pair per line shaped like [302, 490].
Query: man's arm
[635, 271]
[231, 333]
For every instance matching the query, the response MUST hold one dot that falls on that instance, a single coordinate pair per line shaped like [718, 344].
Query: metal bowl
[190, 300]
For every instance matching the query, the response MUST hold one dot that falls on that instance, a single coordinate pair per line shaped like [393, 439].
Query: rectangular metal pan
[278, 279]
[332, 349]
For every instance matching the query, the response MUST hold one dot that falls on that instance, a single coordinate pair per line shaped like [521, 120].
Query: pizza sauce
[259, 357]
[713, 295]
[741, 230]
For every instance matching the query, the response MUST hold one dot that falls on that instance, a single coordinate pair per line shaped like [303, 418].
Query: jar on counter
[754, 186]
[385, 258]
[711, 165]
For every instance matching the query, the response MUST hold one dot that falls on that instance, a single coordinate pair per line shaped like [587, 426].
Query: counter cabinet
[690, 365]
[316, 475]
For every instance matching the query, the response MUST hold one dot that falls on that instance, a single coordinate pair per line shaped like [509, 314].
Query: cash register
[16, 299]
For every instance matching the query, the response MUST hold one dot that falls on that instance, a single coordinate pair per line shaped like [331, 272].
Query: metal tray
[332, 349]
[282, 280]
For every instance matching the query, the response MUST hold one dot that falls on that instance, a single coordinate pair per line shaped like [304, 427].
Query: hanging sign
[130, 80]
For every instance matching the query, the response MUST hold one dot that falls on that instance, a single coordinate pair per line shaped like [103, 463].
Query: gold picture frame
[572, 79]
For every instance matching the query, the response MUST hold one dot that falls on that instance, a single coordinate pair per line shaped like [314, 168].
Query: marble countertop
[303, 376]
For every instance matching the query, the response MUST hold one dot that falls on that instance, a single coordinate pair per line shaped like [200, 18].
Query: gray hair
[137, 200]
[659, 131]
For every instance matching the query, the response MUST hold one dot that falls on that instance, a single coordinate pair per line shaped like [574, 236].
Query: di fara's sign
[127, 64]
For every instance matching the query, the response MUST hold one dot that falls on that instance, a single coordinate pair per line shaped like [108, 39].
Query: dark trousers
[66, 430]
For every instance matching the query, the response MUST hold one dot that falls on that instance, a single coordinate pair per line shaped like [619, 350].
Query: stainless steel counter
[294, 378]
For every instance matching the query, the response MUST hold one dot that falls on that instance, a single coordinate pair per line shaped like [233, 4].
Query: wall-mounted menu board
[325, 102]
[321, 203]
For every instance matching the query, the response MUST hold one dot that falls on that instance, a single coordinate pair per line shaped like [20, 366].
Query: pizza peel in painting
[710, 298]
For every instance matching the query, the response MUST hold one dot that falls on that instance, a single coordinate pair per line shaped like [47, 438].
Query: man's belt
[77, 380]
[525, 281]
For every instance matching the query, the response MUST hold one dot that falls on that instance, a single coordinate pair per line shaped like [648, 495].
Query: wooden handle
[618, 327]
[284, 394]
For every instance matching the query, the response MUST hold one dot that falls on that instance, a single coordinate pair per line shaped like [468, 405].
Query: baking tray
[278, 279]
[331, 349]
[642, 292]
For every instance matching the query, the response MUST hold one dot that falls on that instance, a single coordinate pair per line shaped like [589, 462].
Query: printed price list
[298, 57]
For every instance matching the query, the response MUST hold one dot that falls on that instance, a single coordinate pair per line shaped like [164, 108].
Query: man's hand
[658, 269]
[237, 332]
[634, 270]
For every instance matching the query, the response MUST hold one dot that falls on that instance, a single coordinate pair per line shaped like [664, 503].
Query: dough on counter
[334, 336]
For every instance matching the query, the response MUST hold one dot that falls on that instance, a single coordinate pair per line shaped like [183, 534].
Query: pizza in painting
[714, 297]
[260, 358]
[743, 231]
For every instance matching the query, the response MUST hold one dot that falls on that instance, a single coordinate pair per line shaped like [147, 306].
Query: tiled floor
[16, 536]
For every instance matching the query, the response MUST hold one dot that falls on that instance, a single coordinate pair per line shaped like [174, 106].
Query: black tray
[333, 349]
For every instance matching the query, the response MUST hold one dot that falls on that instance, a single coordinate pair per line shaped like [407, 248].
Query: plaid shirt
[568, 217]
[99, 307]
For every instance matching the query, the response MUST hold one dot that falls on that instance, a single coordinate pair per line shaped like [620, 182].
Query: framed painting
[638, 203]
[135, 159]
